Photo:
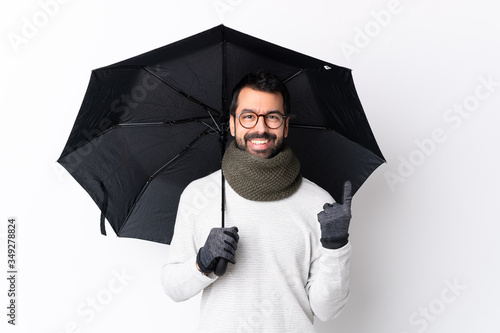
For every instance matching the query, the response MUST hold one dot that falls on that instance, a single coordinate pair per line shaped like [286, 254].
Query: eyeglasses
[273, 119]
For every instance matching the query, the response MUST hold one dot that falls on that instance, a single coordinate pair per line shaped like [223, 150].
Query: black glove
[334, 221]
[220, 243]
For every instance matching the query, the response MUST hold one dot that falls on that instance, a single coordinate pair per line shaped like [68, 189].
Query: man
[286, 267]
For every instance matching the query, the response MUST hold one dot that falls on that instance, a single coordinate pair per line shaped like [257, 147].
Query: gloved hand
[220, 243]
[335, 219]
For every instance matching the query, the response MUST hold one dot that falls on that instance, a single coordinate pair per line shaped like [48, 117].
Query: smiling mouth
[258, 142]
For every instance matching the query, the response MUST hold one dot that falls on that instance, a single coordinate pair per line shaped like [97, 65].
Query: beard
[264, 153]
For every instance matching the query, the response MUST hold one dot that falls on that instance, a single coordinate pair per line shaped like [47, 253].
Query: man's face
[260, 140]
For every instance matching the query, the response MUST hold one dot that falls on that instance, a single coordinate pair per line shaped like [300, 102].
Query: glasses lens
[248, 119]
[274, 119]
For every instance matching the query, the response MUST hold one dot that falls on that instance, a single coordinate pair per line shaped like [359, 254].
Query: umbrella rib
[159, 123]
[217, 130]
[189, 97]
[211, 116]
[174, 122]
[293, 75]
[158, 172]
[311, 127]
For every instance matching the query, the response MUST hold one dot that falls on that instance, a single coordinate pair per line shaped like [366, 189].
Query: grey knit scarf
[261, 179]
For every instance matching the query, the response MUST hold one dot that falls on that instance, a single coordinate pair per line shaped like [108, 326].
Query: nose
[261, 124]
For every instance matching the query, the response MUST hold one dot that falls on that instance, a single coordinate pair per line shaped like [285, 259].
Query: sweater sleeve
[328, 284]
[181, 281]
[180, 278]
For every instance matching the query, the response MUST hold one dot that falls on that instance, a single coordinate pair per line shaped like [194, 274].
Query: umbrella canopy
[151, 124]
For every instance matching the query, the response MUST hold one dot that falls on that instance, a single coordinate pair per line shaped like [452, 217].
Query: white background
[435, 226]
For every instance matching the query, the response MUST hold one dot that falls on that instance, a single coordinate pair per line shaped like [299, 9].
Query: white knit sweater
[282, 276]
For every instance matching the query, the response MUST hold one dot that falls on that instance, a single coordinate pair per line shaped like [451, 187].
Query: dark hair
[261, 81]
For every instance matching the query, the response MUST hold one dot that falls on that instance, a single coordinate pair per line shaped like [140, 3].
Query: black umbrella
[151, 124]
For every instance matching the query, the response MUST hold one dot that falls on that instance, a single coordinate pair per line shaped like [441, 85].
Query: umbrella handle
[221, 267]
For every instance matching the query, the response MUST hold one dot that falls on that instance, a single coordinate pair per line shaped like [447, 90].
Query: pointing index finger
[347, 195]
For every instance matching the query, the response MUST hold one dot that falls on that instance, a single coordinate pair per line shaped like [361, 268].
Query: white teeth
[259, 142]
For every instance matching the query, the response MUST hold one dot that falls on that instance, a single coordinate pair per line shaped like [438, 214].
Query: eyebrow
[250, 110]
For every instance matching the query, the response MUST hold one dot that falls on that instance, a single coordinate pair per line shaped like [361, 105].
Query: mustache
[251, 136]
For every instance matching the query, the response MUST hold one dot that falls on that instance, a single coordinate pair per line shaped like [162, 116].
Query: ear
[285, 130]
[231, 124]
